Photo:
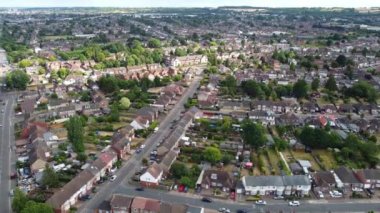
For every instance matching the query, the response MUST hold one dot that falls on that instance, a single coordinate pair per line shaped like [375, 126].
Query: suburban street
[121, 185]
[134, 162]
[7, 161]
[314, 206]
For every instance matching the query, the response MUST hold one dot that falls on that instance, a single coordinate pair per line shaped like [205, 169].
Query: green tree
[34, 207]
[179, 170]
[108, 84]
[19, 200]
[63, 73]
[75, 133]
[186, 181]
[253, 134]
[124, 103]
[315, 84]
[154, 43]
[229, 85]
[212, 155]
[180, 52]
[331, 84]
[25, 63]
[17, 79]
[50, 178]
[300, 89]
[341, 60]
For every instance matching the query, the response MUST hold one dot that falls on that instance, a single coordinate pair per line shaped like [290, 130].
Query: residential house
[234, 105]
[173, 208]
[297, 185]
[121, 203]
[27, 106]
[80, 185]
[369, 177]
[264, 117]
[346, 179]
[288, 119]
[323, 181]
[152, 176]
[121, 141]
[263, 185]
[39, 156]
[216, 179]
[145, 205]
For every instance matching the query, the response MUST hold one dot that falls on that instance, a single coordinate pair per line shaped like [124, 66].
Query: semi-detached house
[277, 185]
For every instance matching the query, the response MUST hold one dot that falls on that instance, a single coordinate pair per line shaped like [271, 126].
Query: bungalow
[323, 181]
[152, 176]
[216, 179]
[369, 177]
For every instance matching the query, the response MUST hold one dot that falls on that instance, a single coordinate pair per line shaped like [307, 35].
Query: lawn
[327, 159]
[301, 155]
[274, 161]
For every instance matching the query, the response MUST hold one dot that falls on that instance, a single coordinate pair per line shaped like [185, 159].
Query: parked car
[138, 150]
[140, 189]
[355, 189]
[261, 202]
[335, 194]
[241, 211]
[320, 194]
[279, 197]
[113, 177]
[206, 200]
[84, 197]
[294, 203]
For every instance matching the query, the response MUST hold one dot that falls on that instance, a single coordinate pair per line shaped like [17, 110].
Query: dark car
[206, 199]
[84, 197]
[140, 189]
[241, 211]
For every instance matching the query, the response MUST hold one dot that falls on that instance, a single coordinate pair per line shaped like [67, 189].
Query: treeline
[353, 150]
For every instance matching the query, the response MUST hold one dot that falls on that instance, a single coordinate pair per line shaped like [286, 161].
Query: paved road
[7, 161]
[272, 205]
[134, 162]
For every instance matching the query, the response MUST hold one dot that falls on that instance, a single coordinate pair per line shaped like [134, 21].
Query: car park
[294, 203]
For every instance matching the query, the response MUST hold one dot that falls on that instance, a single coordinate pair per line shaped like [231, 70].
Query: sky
[189, 3]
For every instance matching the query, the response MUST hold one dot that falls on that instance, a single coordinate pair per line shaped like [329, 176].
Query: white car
[142, 146]
[335, 194]
[113, 177]
[355, 189]
[294, 203]
[261, 202]
[320, 194]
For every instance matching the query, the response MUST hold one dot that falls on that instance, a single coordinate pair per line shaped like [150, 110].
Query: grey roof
[263, 181]
[296, 180]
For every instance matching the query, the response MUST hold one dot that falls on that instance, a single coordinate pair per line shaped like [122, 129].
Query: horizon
[189, 4]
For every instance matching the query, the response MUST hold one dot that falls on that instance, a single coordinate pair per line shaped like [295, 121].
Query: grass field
[327, 159]
[274, 160]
